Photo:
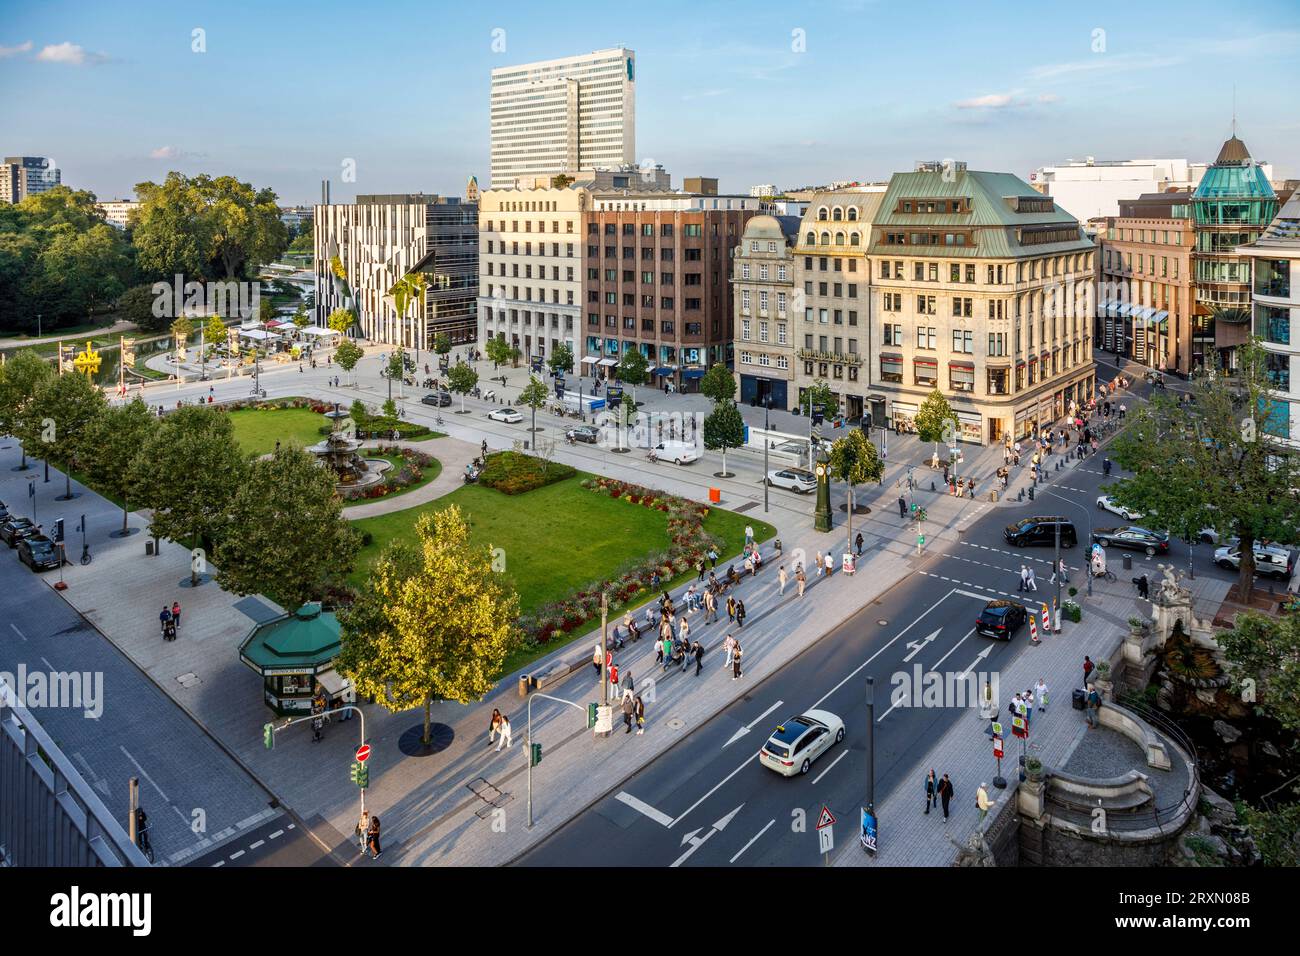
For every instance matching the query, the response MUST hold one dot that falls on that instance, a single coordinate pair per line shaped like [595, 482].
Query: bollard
[1021, 496]
[932, 488]
[1031, 492]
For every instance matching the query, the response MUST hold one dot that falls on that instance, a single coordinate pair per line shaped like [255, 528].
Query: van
[1041, 531]
[678, 452]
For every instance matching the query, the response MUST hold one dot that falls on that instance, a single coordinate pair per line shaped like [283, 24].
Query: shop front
[293, 653]
[755, 390]
[971, 425]
[903, 416]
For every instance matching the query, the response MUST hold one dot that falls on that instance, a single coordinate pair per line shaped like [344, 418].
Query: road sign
[997, 729]
[1018, 727]
[363, 753]
[826, 838]
[869, 828]
[826, 819]
[997, 747]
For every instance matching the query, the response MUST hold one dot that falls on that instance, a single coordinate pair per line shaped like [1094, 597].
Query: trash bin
[715, 495]
[526, 444]
[1128, 562]
[1078, 700]
[523, 686]
[148, 547]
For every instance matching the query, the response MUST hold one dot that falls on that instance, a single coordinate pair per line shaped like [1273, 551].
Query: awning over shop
[257, 335]
[955, 363]
[692, 373]
[664, 370]
[607, 361]
[333, 682]
[318, 331]
[589, 358]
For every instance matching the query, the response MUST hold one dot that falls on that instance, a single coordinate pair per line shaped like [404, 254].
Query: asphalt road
[708, 802]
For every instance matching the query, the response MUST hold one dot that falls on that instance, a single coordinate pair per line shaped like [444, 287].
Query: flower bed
[410, 471]
[690, 544]
[513, 473]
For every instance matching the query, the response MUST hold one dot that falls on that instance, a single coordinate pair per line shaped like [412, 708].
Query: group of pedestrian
[170, 620]
[368, 835]
[1027, 582]
[499, 726]
[938, 792]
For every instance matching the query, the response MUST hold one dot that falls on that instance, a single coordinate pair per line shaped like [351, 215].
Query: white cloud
[167, 152]
[69, 53]
[991, 101]
[7, 51]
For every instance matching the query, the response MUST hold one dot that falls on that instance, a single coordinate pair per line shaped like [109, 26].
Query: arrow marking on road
[954, 647]
[641, 806]
[742, 731]
[975, 663]
[698, 841]
[916, 646]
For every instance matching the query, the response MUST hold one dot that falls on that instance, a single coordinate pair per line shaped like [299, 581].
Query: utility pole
[1056, 568]
[603, 676]
[133, 803]
[767, 443]
[871, 750]
[528, 743]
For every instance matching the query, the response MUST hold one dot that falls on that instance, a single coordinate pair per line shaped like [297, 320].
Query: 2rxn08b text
[1195, 897]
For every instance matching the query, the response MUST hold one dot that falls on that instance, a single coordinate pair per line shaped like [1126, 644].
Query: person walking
[698, 650]
[683, 629]
[1087, 669]
[1024, 578]
[740, 613]
[817, 563]
[710, 607]
[931, 791]
[629, 711]
[830, 564]
[1040, 691]
[801, 579]
[505, 733]
[372, 839]
[494, 726]
[902, 507]
[659, 650]
[781, 578]
[749, 535]
[1060, 568]
[362, 831]
[945, 795]
[613, 681]
[731, 608]
[713, 558]
[735, 662]
[164, 618]
[857, 543]
[1029, 580]
[640, 715]
[728, 645]
[597, 658]
[1094, 708]
[983, 802]
[176, 614]
[668, 647]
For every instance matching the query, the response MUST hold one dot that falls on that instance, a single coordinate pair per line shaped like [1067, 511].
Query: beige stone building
[763, 296]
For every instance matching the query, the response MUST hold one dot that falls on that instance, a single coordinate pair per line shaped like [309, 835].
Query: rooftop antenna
[1234, 109]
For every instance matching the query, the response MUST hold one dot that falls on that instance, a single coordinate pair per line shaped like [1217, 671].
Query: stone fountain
[340, 453]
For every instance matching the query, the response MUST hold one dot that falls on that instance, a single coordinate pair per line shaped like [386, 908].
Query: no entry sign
[363, 753]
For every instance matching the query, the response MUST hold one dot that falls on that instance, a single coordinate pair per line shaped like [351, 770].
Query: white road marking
[843, 754]
[220, 863]
[272, 836]
[18, 632]
[642, 807]
[254, 846]
[753, 840]
[954, 647]
[697, 841]
[236, 856]
[918, 646]
[741, 731]
[144, 773]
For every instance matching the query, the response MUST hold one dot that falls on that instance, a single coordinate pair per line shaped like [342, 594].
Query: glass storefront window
[1278, 369]
[1273, 277]
[1273, 324]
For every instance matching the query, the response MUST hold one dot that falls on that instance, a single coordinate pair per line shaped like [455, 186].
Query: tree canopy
[724, 428]
[718, 384]
[935, 420]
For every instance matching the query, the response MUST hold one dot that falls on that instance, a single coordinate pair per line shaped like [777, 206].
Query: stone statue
[1169, 588]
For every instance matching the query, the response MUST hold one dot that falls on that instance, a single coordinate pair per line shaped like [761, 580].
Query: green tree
[347, 355]
[624, 418]
[462, 379]
[534, 395]
[498, 351]
[718, 384]
[266, 310]
[432, 622]
[561, 358]
[215, 331]
[724, 428]
[136, 305]
[936, 421]
[1265, 652]
[187, 473]
[300, 318]
[182, 326]
[341, 320]
[1276, 833]
[58, 417]
[442, 344]
[286, 534]
[515, 355]
[20, 378]
[1213, 462]
[819, 395]
[117, 435]
[633, 369]
[854, 460]
[359, 414]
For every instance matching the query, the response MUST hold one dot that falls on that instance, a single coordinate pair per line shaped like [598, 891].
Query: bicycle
[143, 843]
[1107, 575]
[438, 419]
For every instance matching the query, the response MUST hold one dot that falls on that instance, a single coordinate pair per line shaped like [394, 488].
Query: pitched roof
[1233, 150]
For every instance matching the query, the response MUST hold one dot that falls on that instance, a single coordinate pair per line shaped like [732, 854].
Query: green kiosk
[293, 653]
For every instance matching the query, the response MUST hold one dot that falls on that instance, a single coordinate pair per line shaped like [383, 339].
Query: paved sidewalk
[910, 837]
[453, 454]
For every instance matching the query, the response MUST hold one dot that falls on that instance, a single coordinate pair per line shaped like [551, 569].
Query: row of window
[763, 302]
[855, 239]
[836, 213]
[491, 226]
[763, 359]
[647, 253]
[528, 271]
[666, 326]
[1124, 260]
[961, 375]
[746, 332]
[763, 272]
[993, 274]
[528, 249]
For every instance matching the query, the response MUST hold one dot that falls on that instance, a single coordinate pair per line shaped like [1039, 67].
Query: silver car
[796, 479]
[799, 741]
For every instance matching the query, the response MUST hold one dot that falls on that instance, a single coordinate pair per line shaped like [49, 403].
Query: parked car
[797, 742]
[16, 527]
[1271, 560]
[796, 479]
[508, 415]
[588, 433]
[1134, 538]
[1041, 531]
[438, 399]
[1001, 619]
[1108, 503]
[38, 552]
[678, 452]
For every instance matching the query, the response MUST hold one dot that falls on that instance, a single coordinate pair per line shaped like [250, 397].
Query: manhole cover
[412, 744]
[882, 622]
[189, 680]
[676, 723]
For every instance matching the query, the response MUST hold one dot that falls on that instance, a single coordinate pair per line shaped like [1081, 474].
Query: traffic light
[354, 773]
[534, 754]
[818, 415]
[363, 776]
[591, 716]
[268, 736]
[58, 529]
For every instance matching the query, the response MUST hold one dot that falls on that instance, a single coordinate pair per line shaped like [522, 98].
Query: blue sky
[285, 93]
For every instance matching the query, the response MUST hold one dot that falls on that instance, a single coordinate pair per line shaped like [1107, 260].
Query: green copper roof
[992, 214]
[306, 640]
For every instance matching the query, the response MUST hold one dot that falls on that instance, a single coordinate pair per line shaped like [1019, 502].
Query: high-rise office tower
[23, 176]
[563, 116]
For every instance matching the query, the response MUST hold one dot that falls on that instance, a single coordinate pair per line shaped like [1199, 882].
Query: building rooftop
[1284, 231]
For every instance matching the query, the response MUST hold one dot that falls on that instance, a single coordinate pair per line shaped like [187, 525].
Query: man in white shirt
[1040, 691]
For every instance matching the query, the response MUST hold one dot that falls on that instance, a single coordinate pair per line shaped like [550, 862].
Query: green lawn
[557, 539]
[258, 429]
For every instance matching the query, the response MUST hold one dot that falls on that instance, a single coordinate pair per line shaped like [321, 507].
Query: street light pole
[603, 675]
[871, 749]
[528, 742]
[767, 443]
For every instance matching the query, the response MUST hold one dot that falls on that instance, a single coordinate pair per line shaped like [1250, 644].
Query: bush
[514, 473]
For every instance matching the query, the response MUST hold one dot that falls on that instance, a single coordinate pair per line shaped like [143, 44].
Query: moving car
[1041, 530]
[1001, 619]
[438, 399]
[1271, 560]
[16, 527]
[588, 433]
[797, 742]
[38, 552]
[796, 479]
[1133, 537]
[1108, 503]
[508, 415]
[678, 452]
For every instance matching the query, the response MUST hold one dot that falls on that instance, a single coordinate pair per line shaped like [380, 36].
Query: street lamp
[767, 443]
[1087, 565]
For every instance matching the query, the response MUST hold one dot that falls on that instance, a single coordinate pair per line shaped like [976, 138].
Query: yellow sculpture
[88, 360]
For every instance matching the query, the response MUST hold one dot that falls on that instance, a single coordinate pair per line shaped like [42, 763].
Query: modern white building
[1091, 189]
[560, 116]
[118, 211]
[295, 216]
[763, 189]
[1275, 315]
[23, 176]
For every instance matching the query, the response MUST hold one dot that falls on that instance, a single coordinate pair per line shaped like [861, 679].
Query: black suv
[38, 552]
[1041, 531]
[16, 527]
[438, 399]
[1001, 619]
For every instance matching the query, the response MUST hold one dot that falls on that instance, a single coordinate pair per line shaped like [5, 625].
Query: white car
[508, 415]
[678, 452]
[796, 479]
[1108, 503]
[799, 741]
[1270, 560]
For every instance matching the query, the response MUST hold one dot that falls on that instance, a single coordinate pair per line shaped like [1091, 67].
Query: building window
[891, 368]
[925, 337]
[925, 373]
[963, 341]
[962, 378]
